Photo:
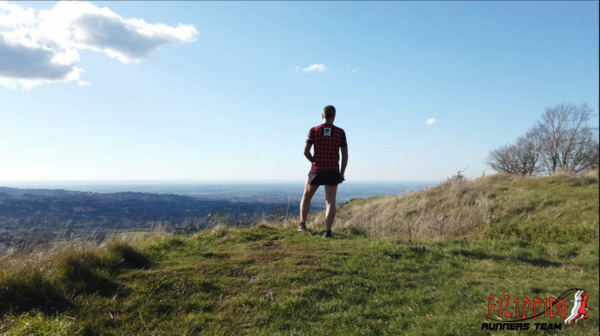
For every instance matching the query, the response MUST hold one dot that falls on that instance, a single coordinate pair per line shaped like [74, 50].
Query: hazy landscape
[41, 213]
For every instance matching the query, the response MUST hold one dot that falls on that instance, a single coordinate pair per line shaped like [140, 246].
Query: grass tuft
[87, 272]
[38, 324]
[30, 290]
[129, 256]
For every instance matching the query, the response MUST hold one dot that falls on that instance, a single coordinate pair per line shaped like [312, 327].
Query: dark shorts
[324, 178]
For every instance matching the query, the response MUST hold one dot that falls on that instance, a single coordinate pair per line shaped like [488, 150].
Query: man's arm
[344, 161]
[307, 154]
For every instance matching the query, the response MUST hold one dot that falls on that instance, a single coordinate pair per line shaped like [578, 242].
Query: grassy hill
[424, 263]
[549, 209]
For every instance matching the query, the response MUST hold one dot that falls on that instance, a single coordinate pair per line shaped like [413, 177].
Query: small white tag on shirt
[327, 131]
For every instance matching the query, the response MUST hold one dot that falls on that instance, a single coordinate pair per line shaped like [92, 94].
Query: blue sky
[228, 90]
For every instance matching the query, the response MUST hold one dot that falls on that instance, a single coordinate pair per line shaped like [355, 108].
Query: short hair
[329, 112]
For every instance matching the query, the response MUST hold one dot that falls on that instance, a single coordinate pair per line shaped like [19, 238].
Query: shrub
[30, 289]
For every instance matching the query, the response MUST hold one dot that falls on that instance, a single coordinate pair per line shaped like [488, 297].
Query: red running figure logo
[579, 311]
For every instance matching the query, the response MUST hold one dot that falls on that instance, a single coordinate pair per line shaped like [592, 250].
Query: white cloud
[70, 56]
[26, 65]
[43, 48]
[15, 15]
[315, 68]
[85, 26]
[431, 121]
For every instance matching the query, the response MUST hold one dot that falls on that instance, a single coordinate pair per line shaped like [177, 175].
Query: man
[325, 170]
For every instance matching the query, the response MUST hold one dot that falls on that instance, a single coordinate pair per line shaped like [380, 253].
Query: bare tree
[567, 141]
[520, 158]
[501, 159]
[594, 157]
[562, 140]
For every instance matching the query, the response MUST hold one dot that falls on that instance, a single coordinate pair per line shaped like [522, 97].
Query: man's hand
[307, 153]
[344, 162]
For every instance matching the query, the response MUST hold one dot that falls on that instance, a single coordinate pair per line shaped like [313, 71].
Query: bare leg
[330, 196]
[309, 191]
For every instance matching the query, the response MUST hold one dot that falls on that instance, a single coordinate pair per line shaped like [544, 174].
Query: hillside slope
[371, 279]
[546, 209]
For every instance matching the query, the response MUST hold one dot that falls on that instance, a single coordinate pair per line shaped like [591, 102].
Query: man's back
[327, 140]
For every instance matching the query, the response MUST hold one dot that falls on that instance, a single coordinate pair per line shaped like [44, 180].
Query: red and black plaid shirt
[327, 140]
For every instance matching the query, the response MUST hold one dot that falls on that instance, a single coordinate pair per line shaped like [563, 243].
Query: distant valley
[32, 216]
[42, 213]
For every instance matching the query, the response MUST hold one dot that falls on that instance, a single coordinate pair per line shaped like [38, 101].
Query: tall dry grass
[48, 277]
[452, 209]
[592, 175]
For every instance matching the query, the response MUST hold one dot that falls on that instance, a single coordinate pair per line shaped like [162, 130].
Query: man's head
[329, 113]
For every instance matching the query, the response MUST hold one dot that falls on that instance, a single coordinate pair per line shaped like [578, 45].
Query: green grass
[272, 280]
[276, 281]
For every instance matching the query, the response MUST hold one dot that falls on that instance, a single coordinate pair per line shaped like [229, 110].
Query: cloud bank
[431, 121]
[43, 47]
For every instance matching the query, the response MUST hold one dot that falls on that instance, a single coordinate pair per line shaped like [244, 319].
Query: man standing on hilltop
[325, 170]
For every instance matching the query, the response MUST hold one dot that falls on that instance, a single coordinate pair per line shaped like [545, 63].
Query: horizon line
[133, 181]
